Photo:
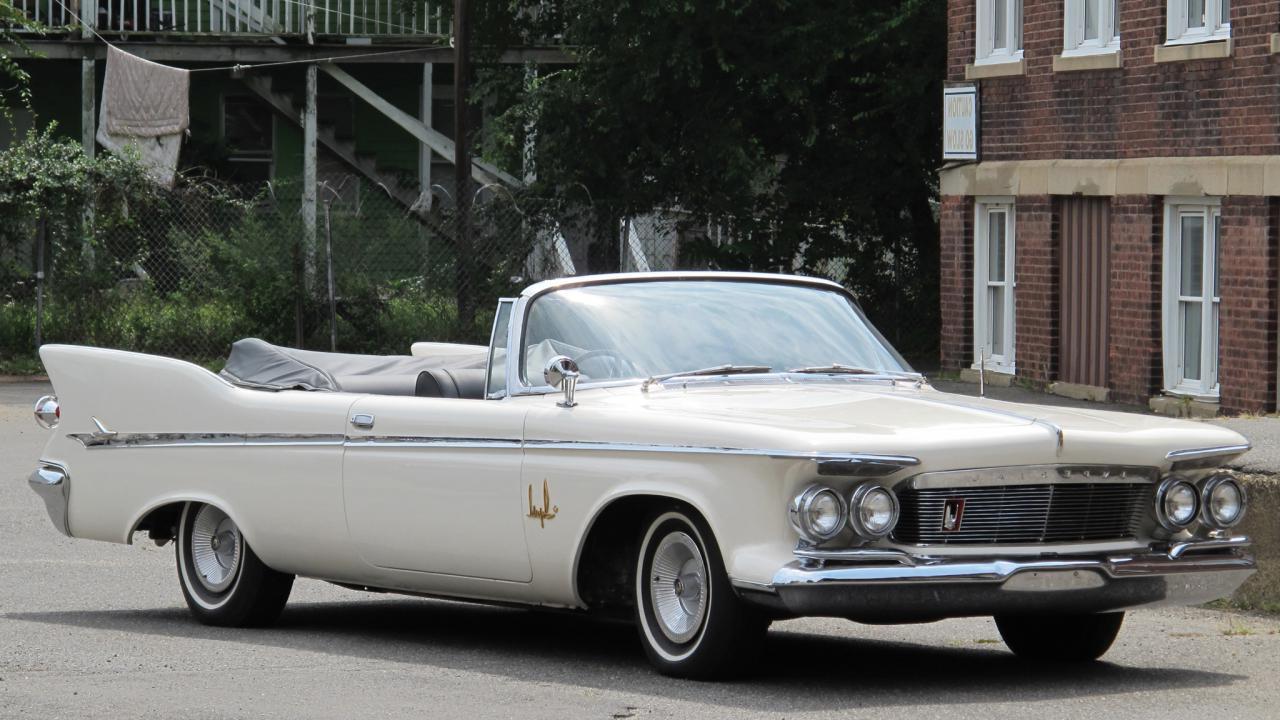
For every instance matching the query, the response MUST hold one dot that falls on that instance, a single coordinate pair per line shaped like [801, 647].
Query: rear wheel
[222, 579]
[691, 623]
[1061, 638]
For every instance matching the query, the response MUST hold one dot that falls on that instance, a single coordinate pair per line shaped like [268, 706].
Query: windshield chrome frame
[516, 386]
[493, 337]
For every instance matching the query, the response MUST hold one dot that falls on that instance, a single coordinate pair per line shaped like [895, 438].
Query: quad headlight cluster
[819, 513]
[1218, 501]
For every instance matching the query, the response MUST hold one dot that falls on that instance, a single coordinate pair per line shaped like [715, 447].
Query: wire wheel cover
[678, 587]
[216, 548]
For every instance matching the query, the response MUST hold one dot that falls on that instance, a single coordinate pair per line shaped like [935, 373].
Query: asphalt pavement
[95, 630]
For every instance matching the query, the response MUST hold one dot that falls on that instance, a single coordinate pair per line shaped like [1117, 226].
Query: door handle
[362, 421]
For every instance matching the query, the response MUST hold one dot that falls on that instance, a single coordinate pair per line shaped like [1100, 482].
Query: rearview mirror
[562, 373]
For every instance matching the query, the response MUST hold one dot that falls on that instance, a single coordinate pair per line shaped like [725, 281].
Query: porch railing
[351, 18]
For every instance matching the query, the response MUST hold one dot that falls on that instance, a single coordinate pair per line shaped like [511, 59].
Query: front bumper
[53, 485]
[897, 587]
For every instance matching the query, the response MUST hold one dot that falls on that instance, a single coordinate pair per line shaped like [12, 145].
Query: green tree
[15, 82]
[812, 127]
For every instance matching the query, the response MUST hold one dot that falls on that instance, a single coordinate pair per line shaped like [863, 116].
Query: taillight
[48, 412]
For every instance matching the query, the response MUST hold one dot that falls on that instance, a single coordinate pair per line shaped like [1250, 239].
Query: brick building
[1118, 231]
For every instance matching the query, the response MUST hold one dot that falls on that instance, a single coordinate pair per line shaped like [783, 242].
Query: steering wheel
[619, 365]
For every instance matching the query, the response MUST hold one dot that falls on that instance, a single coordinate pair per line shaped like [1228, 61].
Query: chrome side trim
[1031, 475]
[1202, 458]
[140, 440]
[52, 483]
[854, 458]
[414, 441]
[875, 465]
[1198, 453]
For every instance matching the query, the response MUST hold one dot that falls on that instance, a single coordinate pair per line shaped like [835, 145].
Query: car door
[433, 485]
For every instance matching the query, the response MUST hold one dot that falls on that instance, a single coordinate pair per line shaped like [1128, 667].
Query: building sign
[960, 122]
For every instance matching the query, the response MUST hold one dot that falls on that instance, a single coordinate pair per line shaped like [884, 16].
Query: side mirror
[562, 372]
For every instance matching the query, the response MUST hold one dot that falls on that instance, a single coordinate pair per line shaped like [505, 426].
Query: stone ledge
[995, 70]
[1215, 50]
[1082, 63]
[994, 379]
[1183, 407]
[1076, 391]
[1275, 43]
[1262, 591]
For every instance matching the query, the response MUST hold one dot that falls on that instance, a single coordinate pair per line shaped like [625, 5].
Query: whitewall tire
[223, 581]
[691, 623]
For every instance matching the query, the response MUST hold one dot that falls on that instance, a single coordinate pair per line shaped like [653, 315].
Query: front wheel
[691, 623]
[222, 579]
[1060, 638]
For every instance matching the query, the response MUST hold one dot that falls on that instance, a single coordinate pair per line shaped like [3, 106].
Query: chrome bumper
[52, 484]
[887, 586]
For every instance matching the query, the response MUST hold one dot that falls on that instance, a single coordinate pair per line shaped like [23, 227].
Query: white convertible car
[705, 452]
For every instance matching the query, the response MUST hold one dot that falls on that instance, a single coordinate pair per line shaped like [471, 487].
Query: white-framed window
[1191, 251]
[1192, 21]
[999, 36]
[1090, 27]
[993, 280]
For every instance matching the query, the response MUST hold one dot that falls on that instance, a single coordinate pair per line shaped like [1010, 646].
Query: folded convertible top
[258, 364]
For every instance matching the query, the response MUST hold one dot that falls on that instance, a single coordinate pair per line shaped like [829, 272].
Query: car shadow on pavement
[799, 671]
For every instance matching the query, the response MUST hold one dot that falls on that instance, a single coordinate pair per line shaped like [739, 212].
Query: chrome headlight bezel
[802, 507]
[1167, 486]
[860, 495]
[47, 411]
[1206, 501]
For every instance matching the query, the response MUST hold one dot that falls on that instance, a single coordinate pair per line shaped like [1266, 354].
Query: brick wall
[1144, 109]
[956, 262]
[1247, 311]
[1134, 346]
[1036, 295]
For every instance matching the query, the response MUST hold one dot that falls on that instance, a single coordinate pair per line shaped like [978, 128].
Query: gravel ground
[97, 630]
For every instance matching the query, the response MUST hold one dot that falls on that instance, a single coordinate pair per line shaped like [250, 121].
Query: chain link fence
[197, 268]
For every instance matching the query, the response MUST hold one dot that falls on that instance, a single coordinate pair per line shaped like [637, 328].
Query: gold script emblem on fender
[547, 511]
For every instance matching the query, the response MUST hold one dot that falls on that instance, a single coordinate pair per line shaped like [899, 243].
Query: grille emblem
[952, 514]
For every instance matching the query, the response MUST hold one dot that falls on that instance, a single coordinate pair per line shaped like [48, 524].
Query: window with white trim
[1192, 21]
[999, 36]
[1090, 27]
[993, 276]
[1192, 231]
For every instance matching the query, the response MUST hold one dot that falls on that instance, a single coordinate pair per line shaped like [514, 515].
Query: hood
[945, 431]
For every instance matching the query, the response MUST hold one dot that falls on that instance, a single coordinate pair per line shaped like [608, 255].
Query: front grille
[1048, 513]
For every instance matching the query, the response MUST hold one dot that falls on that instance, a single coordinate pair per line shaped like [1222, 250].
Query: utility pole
[462, 165]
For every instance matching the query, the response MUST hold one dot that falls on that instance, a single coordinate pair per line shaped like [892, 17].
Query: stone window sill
[1081, 63]
[1215, 50]
[1013, 68]
[1275, 43]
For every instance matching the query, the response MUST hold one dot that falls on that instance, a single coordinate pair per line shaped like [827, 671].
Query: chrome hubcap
[677, 587]
[216, 548]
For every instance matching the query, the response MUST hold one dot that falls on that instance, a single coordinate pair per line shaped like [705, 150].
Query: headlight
[1177, 503]
[873, 511]
[818, 513]
[1223, 501]
[48, 413]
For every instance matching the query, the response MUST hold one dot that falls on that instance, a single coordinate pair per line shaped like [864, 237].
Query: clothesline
[240, 67]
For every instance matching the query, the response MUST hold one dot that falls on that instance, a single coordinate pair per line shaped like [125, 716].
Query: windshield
[643, 329]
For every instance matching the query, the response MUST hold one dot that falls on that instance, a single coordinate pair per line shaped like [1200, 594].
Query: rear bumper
[51, 482]
[902, 588]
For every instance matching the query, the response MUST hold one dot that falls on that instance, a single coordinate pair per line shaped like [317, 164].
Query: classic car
[702, 452]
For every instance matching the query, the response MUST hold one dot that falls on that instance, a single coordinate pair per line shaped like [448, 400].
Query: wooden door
[1084, 229]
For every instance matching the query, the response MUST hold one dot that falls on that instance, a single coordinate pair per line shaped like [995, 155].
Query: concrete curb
[1262, 525]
